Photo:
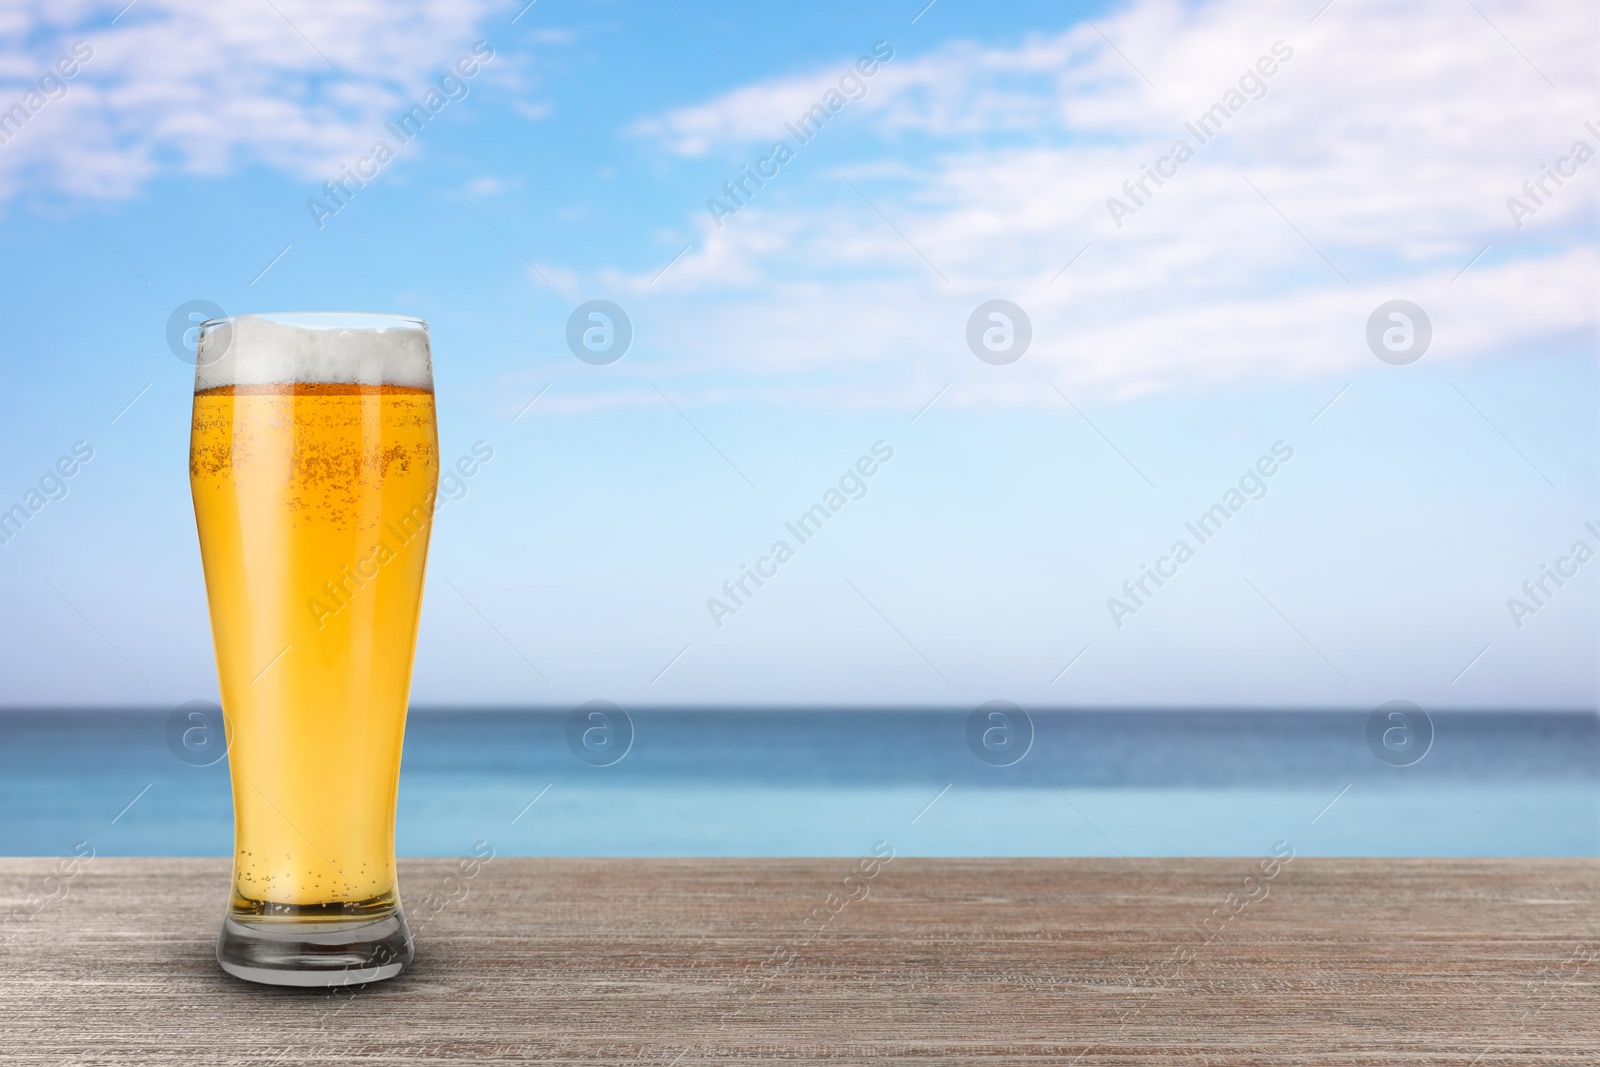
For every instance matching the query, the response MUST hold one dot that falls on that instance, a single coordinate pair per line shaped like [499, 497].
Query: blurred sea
[832, 782]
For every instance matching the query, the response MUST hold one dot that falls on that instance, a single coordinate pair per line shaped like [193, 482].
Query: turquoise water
[810, 782]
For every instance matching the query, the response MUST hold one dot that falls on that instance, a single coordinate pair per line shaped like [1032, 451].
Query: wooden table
[689, 961]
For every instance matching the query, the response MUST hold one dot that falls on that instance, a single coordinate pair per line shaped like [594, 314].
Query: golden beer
[314, 500]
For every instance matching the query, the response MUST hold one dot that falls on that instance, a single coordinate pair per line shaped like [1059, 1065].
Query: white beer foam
[318, 347]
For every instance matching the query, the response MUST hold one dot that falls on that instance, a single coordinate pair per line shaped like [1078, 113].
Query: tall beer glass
[314, 463]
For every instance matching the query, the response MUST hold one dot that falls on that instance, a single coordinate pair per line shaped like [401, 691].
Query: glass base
[317, 953]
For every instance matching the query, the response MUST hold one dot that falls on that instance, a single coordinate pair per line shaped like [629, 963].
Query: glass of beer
[314, 463]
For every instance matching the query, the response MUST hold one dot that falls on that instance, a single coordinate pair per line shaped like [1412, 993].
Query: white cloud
[1390, 142]
[1387, 143]
[197, 86]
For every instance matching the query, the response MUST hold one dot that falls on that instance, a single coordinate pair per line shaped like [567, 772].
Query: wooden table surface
[689, 961]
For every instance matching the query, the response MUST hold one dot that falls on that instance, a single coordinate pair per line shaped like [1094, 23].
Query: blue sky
[1173, 346]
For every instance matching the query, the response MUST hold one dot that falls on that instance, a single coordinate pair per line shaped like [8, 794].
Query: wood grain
[660, 961]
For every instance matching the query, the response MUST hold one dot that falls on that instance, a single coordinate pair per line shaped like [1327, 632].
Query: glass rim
[325, 320]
